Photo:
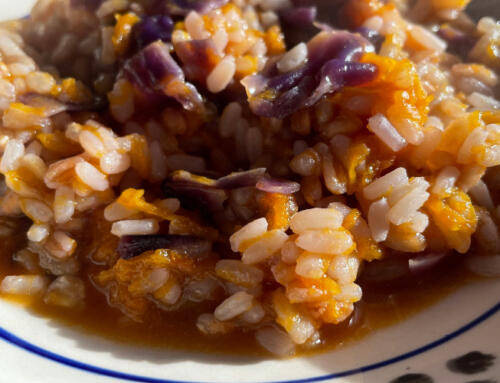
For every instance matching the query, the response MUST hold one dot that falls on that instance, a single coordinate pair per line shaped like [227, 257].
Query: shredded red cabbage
[133, 245]
[332, 63]
[152, 28]
[201, 192]
[154, 72]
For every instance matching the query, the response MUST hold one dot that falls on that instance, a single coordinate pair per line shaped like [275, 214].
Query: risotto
[245, 163]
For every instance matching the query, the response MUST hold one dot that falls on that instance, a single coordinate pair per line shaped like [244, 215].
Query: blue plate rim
[21, 343]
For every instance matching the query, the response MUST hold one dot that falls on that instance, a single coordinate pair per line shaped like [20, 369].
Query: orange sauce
[380, 307]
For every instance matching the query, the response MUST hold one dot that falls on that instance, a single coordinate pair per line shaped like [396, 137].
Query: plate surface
[418, 350]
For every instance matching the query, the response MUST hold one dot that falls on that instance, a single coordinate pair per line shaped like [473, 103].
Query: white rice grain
[483, 102]
[66, 291]
[445, 180]
[264, 247]
[233, 306]
[344, 269]
[491, 155]
[404, 209]
[171, 296]
[23, 284]
[73, 131]
[64, 204]
[302, 330]
[310, 265]
[254, 315]
[377, 220]
[332, 182]
[38, 232]
[268, 18]
[349, 293]
[275, 341]
[237, 272]
[433, 132]
[386, 132]
[290, 252]
[374, 23]
[475, 139]
[427, 39]
[383, 184]
[334, 242]
[195, 26]
[341, 208]
[135, 227]
[201, 290]
[207, 324]
[40, 82]
[36, 210]
[115, 162]
[90, 176]
[35, 164]
[221, 75]
[65, 242]
[116, 211]
[28, 260]
[250, 231]
[220, 40]
[486, 24]
[416, 183]
[7, 94]
[293, 59]
[419, 222]
[316, 219]
[14, 151]
[91, 143]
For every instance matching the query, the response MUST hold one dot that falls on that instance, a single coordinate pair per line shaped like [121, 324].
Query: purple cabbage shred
[201, 192]
[154, 72]
[195, 195]
[133, 245]
[332, 64]
[241, 179]
[274, 185]
[152, 28]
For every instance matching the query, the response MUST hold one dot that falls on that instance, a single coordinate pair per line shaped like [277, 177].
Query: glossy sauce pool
[381, 306]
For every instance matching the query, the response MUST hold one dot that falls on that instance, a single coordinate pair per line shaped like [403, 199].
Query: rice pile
[206, 151]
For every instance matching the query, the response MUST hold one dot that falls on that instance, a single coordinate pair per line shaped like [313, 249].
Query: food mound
[252, 154]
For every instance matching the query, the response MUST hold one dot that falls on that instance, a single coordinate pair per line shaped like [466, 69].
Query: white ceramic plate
[418, 350]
